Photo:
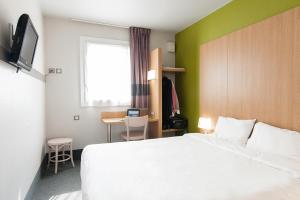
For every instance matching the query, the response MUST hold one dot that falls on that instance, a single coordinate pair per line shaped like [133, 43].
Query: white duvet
[190, 167]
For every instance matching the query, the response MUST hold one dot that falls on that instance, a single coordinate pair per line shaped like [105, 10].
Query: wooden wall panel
[262, 73]
[278, 62]
[239, 79]
[296, 73]
[213, 73]
[260, 70]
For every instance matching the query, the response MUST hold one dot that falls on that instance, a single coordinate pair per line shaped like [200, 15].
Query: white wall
[63, 90]
[22, 111]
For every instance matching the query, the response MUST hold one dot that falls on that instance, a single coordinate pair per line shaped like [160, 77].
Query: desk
[118, 121]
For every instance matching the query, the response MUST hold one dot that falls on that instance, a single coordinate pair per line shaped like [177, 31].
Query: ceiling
[167, 15]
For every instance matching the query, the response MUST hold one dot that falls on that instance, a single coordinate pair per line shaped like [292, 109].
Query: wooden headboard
[254, 73]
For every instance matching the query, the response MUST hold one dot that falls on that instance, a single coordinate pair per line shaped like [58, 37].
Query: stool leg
[64, 154]
[49, 155]
[56, 158]
[71, 154]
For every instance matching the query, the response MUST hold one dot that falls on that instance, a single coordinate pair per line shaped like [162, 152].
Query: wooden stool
[57, 145]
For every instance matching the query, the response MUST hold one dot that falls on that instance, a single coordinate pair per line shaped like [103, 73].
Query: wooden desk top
[121, 120]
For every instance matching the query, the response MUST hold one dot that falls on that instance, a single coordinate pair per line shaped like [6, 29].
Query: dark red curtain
[139, 54]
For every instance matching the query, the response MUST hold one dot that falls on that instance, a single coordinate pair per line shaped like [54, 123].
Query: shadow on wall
[4, 37]
[4, 31]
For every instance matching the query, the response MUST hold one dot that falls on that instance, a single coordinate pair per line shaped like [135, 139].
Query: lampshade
[151, 75]
[204, 123]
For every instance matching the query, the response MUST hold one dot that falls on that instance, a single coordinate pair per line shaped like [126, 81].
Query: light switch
[59, 70]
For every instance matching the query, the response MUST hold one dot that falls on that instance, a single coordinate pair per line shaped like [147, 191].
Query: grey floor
[66, 185]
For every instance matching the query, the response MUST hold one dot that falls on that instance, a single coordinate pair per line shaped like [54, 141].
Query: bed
[191, 167]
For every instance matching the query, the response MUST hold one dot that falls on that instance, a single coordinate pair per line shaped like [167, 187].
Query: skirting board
[41, 171]
[33, 186]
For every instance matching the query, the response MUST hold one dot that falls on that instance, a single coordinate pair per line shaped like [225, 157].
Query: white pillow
[234, 130]
[270, 139]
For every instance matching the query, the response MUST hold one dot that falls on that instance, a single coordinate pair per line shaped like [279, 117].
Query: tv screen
[24, 43]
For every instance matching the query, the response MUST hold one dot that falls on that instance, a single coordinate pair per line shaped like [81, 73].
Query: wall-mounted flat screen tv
[24, 43]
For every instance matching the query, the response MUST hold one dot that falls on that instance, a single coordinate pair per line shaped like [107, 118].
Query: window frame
[83, 50]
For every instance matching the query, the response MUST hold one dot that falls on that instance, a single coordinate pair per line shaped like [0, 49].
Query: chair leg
[71, 154]
[56, 158]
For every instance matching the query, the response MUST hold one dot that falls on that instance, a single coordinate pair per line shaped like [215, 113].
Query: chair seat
[59, 141]
[133, 135]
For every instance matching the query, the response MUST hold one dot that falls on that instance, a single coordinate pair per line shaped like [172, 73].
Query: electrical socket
[76, 117]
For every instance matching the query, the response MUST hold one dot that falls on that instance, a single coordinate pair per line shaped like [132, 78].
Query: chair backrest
[135, 122]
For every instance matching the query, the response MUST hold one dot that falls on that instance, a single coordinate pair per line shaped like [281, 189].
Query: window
[105, 72]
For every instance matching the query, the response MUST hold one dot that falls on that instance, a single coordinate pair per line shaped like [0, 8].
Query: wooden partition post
[155, 108]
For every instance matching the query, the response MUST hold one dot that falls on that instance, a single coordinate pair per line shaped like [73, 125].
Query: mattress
[189, 167]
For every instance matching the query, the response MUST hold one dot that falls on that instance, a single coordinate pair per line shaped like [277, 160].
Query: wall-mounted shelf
[173, 69]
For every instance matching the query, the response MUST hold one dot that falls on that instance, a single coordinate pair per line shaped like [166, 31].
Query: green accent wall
[233, 16]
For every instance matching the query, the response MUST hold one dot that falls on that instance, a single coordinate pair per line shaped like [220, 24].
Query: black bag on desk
[178, 122]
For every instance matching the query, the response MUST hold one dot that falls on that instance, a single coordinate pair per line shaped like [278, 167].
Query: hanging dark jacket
[166, 102]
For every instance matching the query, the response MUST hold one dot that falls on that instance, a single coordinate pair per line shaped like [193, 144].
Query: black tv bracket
[11, 41]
